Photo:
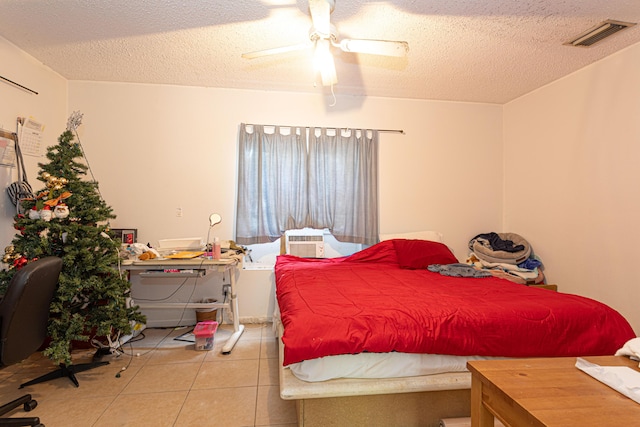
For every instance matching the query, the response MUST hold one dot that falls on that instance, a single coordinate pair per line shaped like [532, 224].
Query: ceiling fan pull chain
[334, 97]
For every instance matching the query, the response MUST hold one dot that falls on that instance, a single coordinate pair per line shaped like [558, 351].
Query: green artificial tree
[69, 219]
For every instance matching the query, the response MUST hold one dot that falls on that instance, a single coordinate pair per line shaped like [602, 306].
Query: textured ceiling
[465, 50]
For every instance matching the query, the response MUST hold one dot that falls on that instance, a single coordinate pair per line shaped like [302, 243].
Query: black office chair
[24, 314]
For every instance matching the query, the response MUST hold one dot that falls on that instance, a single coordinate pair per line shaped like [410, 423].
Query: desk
[155, 267]
[547, 392]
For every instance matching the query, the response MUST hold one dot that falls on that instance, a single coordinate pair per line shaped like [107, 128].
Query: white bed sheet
[379, 365]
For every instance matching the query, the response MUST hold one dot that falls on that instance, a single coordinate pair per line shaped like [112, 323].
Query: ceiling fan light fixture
[324, 62]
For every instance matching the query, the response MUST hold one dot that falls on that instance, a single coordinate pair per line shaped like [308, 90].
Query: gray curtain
[282, 186]
[343, 183]
[272, 183]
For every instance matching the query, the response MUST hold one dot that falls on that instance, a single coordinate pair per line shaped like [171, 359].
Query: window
[292, 178]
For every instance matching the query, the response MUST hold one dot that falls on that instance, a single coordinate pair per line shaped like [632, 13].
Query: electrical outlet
[179, 212]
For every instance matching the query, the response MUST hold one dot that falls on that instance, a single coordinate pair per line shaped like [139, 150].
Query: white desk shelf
[167, 275]
[154, 268]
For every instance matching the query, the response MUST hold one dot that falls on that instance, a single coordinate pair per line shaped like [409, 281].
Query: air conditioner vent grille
[599, 33]
[305, 238]
[305, 245]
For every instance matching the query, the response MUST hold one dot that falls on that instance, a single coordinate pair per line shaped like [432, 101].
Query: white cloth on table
[622, 379]
[630, 349]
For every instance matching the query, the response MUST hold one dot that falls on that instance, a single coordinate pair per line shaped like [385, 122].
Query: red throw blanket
[368, 303]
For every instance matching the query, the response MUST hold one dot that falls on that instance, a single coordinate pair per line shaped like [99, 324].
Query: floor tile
[183, 354]
[271, 409]
[159, 378]
[145, 409]
[229, 407]
[269, 348]
[268, 372]
[78, 412]
[231, 373]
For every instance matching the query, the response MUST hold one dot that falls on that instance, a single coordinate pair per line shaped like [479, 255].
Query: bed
[384, 303]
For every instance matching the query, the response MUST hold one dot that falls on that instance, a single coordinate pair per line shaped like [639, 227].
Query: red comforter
[368, 303]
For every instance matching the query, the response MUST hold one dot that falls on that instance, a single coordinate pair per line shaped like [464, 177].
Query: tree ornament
[74, 121]
[61, 211]
[20, 262]
[18, 227]
[34, 213]
[45, 213]
[9, 255]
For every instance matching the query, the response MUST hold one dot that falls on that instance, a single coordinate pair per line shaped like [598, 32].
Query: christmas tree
[69, 219]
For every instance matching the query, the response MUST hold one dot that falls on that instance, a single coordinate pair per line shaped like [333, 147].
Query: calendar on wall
[31, 137]
[7, 148]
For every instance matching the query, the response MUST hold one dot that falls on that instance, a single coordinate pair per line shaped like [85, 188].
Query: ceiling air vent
[599, 32]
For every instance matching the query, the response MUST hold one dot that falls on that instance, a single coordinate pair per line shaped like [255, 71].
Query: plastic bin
[204, 332]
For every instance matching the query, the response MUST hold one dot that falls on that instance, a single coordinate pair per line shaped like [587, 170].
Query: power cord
[180, 286]
[119, 348]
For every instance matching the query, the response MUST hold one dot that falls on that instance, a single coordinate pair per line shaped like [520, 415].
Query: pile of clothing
[506, 255]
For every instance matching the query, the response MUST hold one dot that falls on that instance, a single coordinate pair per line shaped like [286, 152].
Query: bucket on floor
[204, 314]
[204, 332]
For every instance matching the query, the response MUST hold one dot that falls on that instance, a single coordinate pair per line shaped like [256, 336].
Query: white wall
[48, 107]
[572, 179]
[155, 148]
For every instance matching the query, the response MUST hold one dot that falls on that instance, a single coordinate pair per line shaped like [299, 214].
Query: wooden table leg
[480, 415]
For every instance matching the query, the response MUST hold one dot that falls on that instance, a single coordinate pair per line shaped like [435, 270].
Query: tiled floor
[166, 383]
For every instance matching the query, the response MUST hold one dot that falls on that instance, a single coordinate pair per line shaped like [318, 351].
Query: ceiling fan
[323, 35]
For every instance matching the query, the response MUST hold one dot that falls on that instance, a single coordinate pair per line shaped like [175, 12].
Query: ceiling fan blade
[276, 50]
[375, 47]
[320, 12]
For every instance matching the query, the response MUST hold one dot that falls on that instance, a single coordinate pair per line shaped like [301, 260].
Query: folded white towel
[631, 349]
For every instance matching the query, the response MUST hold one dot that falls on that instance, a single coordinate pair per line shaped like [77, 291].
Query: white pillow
[432, 236]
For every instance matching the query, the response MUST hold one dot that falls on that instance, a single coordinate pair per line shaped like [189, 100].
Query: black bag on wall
[21, 189]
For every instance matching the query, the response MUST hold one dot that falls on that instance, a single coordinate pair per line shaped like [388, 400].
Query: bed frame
[402, 402]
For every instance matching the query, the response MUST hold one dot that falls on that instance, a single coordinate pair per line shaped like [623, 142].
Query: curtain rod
[18, 84]
[335, 127]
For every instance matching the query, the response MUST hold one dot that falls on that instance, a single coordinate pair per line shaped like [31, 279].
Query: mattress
[379, 365]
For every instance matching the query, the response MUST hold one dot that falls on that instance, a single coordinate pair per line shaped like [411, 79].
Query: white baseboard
[252, 320]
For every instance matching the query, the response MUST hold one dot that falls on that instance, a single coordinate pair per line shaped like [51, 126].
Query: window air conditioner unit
[305, 245]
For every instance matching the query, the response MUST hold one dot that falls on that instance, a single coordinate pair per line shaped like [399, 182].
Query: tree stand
[65, 371]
